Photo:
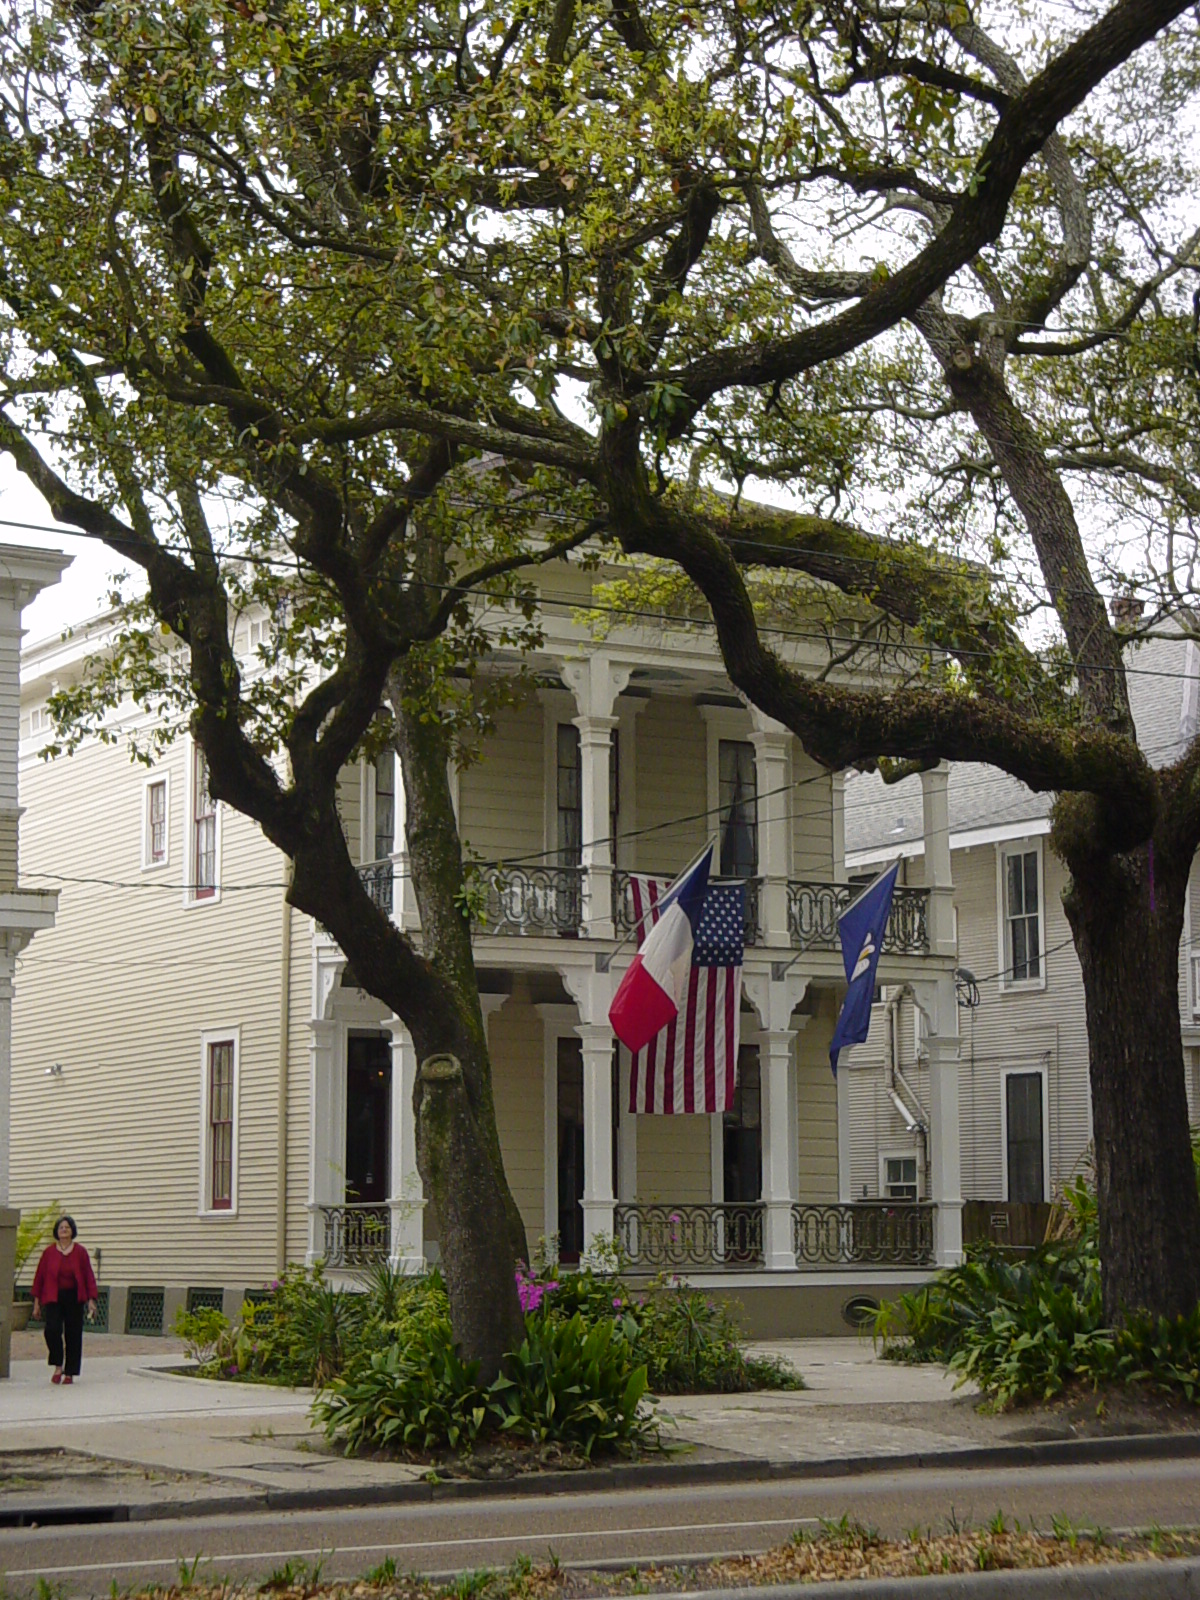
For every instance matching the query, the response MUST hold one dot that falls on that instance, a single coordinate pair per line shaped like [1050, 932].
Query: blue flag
[861, 927]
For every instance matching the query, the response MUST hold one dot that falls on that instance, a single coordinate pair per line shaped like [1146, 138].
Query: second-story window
[1022, 915]
[738, 800]
[569, 780]
[385, 805]
[204, 831]
[156, 823]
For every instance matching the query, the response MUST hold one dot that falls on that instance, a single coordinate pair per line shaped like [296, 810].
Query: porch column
[598, 1197]
[404, 896]
[771, 746]
[938, 877]
[940, 1003]
[327, 1134]
[10, 947]
[406, 1199]
[774, 1066]
[596, 683]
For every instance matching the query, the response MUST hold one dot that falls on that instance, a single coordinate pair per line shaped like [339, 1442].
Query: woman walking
[63, 1285]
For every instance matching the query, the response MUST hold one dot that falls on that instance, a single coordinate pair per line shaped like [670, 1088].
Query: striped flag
[691, 1065]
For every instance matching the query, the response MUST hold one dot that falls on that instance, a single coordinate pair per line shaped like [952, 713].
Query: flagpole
[780, 969]
[604, 958]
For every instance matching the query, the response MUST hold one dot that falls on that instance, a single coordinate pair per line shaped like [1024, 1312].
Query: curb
[641, 1475]
[1127, 1580]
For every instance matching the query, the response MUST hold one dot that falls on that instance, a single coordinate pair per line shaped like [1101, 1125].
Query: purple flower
[617, 1303]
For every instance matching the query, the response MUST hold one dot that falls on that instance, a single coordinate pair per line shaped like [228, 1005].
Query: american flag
[691, 1066]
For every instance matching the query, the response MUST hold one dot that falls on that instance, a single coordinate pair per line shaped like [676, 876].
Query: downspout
[915, 1120]
[281, 1110]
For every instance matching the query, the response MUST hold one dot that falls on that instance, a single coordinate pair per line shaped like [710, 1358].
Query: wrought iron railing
[655, 1238]
[814, 909]
[625, 919]
[525, 900]
[377, 881]
[356, 1236]
[871, 1234]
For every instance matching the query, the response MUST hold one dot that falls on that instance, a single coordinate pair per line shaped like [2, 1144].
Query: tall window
[204, 831]
[1022, 911]
[220, 1125]
[738, 801]
[156, 823]
[1024, 1137]
[385, 805]
[569, 782]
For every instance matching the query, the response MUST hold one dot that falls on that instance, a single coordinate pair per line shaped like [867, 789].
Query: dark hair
[70, 1221]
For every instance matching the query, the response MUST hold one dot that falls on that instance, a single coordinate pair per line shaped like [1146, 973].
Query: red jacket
[70, 1271]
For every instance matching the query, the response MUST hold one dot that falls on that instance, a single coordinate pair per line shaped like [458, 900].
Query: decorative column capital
[595, 680]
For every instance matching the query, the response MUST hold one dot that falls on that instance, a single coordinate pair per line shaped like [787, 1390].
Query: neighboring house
[1023, 1078]
[24, 573]
[229, 1100]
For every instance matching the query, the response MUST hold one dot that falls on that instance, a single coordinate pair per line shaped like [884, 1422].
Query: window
[899, 1177]
[218, 1158]
[1021, 888]
[569, 793]
[1024, 1138]
[154, 824]
[39, 720]
[204, 831]
[385, 805]
[738, 808]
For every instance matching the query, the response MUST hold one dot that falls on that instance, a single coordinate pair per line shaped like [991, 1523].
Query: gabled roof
[1164, 692]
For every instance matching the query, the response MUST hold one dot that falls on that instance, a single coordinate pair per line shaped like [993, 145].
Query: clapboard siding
[674, 1160]
[518, 1069]
[811, 805]
[672, 784]
[816, 1111]
[118, 993]
[501, 804]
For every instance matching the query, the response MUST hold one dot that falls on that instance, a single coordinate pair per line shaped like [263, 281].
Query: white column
[327, 1133]
[771, 749]
[940, 1003]
[596, 682]
[775, 1060]
[8, 957]
[406, 1200]
[598, 1197]
[626, 1137]
[404, 896]
[938, 877]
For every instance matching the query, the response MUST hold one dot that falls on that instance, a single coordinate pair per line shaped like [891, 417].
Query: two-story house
[1023, 1077]
[205, 1085]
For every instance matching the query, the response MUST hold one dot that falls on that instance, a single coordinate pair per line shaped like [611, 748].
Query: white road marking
[551, 1537]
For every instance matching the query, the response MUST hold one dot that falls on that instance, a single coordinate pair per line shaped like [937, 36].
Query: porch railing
[356, 1236]
[377, 879]
[532, 900]
[863, 1235]
[625, 919]
[814, 909]
[656, 1238]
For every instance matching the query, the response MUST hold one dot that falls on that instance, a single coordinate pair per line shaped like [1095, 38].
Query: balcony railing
[356, 1236]
[865, 1235]
[532, 900]
[814, 909]
[657, 1238]
[377, 881]
[625, 918]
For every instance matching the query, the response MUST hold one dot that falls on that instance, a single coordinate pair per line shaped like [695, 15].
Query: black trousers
[64, 1325]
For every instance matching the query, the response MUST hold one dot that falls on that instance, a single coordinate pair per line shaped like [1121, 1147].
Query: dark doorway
[743, 1133]
[1026, 1147]
[570, 1148]
[368, 1118]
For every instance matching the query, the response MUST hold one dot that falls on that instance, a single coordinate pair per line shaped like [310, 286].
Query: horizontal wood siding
[501, 804]
[349, 804]
[811, 806]
[672, 783]
[515, 1045]
[119, 993]
[674, 1160]
[816, 1110]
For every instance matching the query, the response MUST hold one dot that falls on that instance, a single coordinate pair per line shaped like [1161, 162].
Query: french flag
[651, 992]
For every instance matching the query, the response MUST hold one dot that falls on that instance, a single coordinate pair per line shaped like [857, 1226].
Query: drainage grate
[144, 1312]
[257, 1297]
[100, 1324]
[206, 1300]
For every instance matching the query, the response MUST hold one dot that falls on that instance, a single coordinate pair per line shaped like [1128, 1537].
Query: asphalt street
[663, 1525]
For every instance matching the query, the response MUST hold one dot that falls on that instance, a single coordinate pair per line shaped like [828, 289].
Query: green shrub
[691, 1345]
[207, 1338]
[33, 1231]
[573, 1382]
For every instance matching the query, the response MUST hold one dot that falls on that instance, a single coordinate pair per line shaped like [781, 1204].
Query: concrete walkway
[131, 1432]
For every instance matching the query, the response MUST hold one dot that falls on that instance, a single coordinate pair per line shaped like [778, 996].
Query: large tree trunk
[1126, 913]
[482, 1236]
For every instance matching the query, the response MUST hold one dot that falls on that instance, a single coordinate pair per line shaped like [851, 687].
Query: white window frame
[910, 1154]
[154, 779]
[190, 897]
[209, 1037]
[1008, 984]
[1024, 1071]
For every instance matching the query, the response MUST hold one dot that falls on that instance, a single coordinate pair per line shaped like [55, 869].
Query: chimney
[1126, 610]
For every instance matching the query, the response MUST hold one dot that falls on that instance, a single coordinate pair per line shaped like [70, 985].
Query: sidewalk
[131, 1434]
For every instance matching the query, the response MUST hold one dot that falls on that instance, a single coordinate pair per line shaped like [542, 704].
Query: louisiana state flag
[862, 927]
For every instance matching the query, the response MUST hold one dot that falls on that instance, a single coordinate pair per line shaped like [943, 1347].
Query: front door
[368, 1118]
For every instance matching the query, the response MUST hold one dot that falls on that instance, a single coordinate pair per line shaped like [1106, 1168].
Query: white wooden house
[224, 1099]
[1024, 1098]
